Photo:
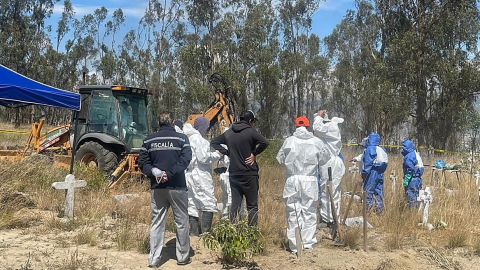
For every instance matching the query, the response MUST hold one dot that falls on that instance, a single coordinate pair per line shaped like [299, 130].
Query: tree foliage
[401, 68]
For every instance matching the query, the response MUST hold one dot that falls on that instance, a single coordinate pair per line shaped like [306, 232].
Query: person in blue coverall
[412, 171]
[375, 161]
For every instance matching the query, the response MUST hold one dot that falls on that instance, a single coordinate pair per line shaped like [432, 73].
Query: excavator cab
[112, 123]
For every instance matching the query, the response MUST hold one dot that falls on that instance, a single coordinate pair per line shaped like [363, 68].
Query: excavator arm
[221, 109]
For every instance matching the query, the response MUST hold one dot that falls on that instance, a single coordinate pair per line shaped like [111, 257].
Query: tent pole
[75, 135]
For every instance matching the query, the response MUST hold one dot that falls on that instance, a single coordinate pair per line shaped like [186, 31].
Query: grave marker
[69, 185]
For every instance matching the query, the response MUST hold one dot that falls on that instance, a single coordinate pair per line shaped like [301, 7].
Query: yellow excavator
[221, 109]
[112, 124]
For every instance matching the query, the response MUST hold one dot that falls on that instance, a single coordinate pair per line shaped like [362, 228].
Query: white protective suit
[225, 186]
[201, 196]
[329, 133]
[302, 153]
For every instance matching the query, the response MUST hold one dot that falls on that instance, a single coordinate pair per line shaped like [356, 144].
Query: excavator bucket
[62, 161]
[10, 155]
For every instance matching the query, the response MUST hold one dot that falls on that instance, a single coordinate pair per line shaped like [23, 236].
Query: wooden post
[332, 202]
[364, 221]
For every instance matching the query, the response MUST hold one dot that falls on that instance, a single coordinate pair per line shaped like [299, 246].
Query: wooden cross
[69, 185]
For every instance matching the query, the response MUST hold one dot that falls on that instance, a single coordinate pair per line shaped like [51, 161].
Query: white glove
[157, 172]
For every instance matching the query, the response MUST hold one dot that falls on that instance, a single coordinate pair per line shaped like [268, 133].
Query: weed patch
[238, 242]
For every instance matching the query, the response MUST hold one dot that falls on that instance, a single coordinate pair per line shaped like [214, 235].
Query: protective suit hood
[240, 125]
[373, 139]
[303, 133]
[189, 130]
[201, 124]
[329, 133]
[407, 147]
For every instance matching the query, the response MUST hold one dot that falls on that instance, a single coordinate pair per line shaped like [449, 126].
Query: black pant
[244, 185]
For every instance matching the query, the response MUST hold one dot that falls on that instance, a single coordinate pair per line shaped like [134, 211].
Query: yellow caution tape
[18, 131]
[421, 147]
[418, 147]
[14, 131]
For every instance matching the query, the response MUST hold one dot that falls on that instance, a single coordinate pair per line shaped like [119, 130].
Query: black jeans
[244, 185]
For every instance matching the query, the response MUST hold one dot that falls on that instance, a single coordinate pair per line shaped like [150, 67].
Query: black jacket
[168, 151]
[241, 140]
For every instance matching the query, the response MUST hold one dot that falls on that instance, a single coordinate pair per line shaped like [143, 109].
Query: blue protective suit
[375, 163]
[412, 173]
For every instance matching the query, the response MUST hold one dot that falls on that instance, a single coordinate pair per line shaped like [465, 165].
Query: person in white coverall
[201, 197]
[328, 131]
[302, 154]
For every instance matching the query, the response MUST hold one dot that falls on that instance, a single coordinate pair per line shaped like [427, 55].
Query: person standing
[375, 161]
[164, 156]
[413, 171]
[328, 131]
[201, 197]
[359, 158]
[302, 154]
[244, 143]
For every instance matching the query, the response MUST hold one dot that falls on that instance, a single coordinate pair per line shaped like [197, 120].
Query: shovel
[336, 228]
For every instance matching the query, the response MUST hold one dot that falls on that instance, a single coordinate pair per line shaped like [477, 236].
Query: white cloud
[136, 11]
[335, 5]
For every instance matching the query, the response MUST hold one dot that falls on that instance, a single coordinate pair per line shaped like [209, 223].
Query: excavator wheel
[93, 154]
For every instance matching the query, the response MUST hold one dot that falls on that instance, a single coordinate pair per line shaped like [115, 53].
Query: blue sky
[324, 20]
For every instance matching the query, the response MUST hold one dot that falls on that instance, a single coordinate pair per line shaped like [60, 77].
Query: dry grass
[86, 236]
[455, 203]
[352, 237]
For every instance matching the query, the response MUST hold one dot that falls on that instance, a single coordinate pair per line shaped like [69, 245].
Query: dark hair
[165, 119]
[247, 116]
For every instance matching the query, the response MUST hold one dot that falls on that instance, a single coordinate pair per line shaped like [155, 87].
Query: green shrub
[238, 242]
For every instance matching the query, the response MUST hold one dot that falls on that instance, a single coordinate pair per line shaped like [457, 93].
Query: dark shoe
[322, 225]
[194, 226]
[154, 266]
[188, 261]
[206, 223]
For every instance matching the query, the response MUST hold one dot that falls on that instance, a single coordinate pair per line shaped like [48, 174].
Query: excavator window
[103, 113]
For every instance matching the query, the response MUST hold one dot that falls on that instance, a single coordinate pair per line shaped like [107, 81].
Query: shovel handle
[332, 203]
[349, 204]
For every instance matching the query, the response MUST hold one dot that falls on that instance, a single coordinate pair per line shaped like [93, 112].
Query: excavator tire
[96, 155]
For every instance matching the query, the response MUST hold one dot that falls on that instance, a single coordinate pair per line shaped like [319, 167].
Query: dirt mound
[12, 201]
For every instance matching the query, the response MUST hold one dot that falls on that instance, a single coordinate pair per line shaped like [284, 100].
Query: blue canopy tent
[17, 90]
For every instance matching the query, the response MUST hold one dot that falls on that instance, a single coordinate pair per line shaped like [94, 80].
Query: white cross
[477, 175]
[69, 184]
[353, 168]
[425, 197]
[394, 178]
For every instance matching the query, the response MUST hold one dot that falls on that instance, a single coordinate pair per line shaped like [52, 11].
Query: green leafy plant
[238, 242]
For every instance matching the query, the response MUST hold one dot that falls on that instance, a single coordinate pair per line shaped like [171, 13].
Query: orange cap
[302, 121]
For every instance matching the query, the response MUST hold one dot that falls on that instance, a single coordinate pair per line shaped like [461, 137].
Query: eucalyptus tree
[429, 44]
[295, 21]
[23, 38]
[363, 90]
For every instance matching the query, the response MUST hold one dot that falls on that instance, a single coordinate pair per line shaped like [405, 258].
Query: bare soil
[39, 247]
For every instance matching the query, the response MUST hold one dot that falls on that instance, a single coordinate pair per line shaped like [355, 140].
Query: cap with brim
[302, 121]
[248, 116]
